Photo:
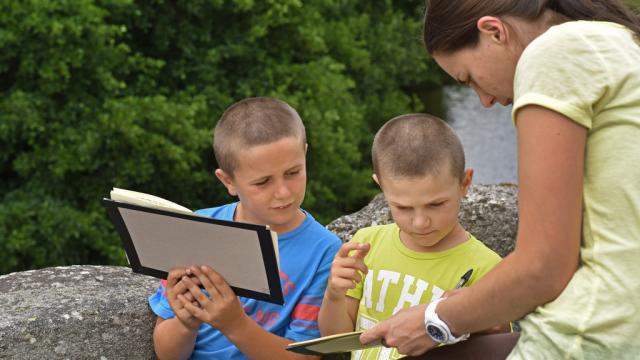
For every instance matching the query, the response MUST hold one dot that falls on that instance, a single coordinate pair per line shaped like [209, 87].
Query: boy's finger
[195, 291]
[175, 275]
[342, 283]
[351, 275]
[193, 310]
[176, 305]
[217, 281]
[352, 263]
[362, 251]
[346, 248]
[358, 264]
[206, 282]
[183, 314]
[180, 287]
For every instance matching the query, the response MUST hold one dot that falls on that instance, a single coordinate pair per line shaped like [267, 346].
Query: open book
[337, 343]
[159, 235]
[139, 198]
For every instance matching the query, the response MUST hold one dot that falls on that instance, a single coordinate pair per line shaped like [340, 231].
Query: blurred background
[96, 94]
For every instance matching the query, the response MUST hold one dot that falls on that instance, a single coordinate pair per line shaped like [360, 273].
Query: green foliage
[634, 4]
[103, 93]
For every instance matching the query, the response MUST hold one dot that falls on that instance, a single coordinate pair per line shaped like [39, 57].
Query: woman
[575, 89]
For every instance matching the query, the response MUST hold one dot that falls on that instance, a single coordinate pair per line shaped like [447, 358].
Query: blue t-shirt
[306, 254]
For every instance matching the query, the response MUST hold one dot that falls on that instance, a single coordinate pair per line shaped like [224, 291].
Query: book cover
[338, 343]
[158, 235]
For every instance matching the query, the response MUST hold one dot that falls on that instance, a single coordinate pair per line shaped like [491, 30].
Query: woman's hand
[405, 331]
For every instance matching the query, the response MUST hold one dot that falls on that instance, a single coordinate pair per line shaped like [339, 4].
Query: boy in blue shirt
[260, 146]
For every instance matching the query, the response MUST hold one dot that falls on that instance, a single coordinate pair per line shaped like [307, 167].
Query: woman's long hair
[450, 25]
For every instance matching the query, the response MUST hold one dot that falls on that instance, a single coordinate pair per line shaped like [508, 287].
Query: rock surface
[76, 312]
[489, 212]
[101, 312]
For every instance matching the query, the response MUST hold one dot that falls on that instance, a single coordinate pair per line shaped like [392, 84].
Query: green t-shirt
[590, 72]
[399, 277]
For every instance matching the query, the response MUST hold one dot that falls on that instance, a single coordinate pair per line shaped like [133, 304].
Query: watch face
[436, 333]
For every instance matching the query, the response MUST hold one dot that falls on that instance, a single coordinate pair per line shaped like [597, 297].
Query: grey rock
[489, 212]
[66, 312]
[101, 312]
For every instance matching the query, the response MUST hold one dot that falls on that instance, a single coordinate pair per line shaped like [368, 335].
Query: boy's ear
[493, 27]
[227, 181]
[467, 180]
[375, 178]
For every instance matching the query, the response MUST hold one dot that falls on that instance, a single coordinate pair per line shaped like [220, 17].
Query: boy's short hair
[251, 122]
[415, 145]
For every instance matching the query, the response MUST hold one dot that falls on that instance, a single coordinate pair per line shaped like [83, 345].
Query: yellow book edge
[338, 343]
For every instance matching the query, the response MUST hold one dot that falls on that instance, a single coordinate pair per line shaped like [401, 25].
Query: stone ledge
[101, 312]
[97, 312]
[489, 212]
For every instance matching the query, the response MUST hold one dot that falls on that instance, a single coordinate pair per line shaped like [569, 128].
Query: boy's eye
[295, 172]
[438, 204]
[261, 182]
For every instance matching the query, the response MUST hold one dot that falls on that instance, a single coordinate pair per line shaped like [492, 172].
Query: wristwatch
[438, 329]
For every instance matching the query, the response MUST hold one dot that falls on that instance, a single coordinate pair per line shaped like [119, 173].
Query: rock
[68, 313]
[489, 212]
[101, 312]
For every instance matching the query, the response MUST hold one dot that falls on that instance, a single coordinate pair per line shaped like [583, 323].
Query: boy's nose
[282, 191]
[421, 222]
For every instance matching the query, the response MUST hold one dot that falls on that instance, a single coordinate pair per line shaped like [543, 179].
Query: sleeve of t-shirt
[356, 292]
[304, 318]
[563, 71]
[484, 259]
[159, 303]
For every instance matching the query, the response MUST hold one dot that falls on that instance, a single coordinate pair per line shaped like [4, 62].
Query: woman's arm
[551, 151]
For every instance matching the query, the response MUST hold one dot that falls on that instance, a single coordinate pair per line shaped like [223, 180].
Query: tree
[96, 94]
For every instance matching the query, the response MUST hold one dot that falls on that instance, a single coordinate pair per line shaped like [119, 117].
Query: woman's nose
[485, 99]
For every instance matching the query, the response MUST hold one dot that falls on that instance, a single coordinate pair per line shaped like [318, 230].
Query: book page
[143, 199]
[274, 239]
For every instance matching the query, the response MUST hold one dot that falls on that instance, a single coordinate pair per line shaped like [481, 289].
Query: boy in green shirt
[418, 162]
